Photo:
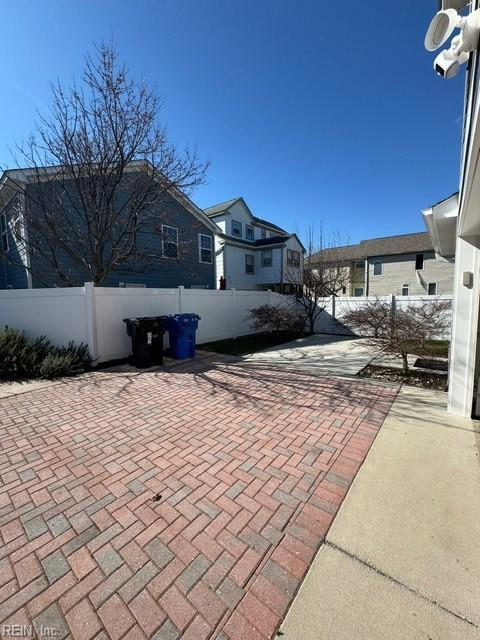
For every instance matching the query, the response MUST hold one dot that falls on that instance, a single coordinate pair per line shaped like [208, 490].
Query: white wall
[95, 316]
[462, 373]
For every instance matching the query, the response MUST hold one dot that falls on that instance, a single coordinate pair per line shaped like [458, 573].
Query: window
[169, 242]
[293, 258]
[205, 248]
[236, 228]
[419, 262]
[405, 289]
[264, 233]
[358, 292]
[344, 290]
[266, 258]
[377, 268]
[249, 232]
[249, 263]
[359, 264]
[4, 232]
[432, 288]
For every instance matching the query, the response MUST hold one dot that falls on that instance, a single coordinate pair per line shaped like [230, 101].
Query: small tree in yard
[326, 274]
[407, 331]
[99, 168]
[371, 317]
[269, 317]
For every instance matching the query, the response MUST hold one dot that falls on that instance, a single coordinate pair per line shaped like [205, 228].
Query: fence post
[333, 306]
[234, 313]
[180, 298]
[393, 304]
[91, 319]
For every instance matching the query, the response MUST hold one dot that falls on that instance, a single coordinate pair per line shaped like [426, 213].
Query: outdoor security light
[447, 63]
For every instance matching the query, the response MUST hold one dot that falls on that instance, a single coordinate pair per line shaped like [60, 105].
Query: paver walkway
[182, 504]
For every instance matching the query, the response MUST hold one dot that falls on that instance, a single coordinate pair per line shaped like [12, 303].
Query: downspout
[366, 277]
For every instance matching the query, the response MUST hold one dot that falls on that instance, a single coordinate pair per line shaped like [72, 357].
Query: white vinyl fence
[94, 315]
[331, 319]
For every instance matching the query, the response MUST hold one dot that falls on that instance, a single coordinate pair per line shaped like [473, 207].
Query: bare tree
[325, 274]
[372, 317]
[406, 331]
[101, 173]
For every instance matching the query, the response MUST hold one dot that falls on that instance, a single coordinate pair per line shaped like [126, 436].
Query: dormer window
[264, 233]
[249, 232]
[237, 229]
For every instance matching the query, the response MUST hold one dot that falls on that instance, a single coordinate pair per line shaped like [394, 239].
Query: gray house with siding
[400, 265]
[182, 240]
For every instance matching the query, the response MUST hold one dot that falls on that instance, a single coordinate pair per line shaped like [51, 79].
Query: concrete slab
[339, 355]
[342, 599]
[413, 516]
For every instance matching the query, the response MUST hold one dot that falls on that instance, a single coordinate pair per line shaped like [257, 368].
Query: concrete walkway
[338, 355]
[402, 558]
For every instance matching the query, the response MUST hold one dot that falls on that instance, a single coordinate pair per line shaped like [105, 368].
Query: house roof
[387, 246]
[222, 207]
[262, 242]
[17, 176]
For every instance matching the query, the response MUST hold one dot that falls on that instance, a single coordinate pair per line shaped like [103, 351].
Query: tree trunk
[405, 363]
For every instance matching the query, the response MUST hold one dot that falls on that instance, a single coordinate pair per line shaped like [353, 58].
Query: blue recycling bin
[182, 328]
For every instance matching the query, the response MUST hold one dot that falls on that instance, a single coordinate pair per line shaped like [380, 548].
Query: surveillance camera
[447, 64]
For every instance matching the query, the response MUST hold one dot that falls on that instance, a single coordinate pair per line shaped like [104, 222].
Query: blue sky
[309, 109]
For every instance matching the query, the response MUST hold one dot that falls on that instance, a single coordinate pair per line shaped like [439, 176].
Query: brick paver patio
[186, 504]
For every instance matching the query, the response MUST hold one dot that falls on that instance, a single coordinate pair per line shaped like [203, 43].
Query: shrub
[270, 317]
[23, 357]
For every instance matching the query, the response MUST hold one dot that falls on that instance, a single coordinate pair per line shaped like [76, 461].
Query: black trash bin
[147, 339]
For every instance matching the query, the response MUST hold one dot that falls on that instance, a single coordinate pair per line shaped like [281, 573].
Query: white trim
[250, 255]
[270, 263]
[205, 235]
[235, 222]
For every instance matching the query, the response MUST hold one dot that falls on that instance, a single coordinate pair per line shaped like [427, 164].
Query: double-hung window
[293, 258]
[249, 263]
[432, 288]
[377, 268]
[4, 232]
[405, 289]
[249, 232]
[263, 233]
[237, 228]
[169, 242]
[205, 248]
[266, 258]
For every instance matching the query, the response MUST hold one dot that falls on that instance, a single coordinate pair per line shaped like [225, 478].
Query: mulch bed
[423, 379]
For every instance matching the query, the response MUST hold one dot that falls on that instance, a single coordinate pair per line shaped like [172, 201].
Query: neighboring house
[252, 253]
[401, 265]
[183, 240]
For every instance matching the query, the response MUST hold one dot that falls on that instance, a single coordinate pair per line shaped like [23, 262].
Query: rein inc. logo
[28, 631]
